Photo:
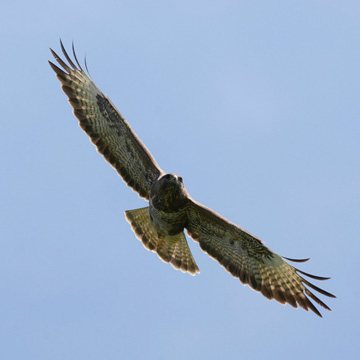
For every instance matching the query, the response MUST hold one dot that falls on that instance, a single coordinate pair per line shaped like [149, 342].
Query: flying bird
[160, 225]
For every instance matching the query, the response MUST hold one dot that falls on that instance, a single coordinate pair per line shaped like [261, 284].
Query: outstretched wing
[245, 257]
[107, 128]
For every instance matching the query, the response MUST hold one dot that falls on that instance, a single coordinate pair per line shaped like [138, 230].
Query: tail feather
[172, 249]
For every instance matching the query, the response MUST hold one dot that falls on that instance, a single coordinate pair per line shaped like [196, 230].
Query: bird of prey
[160, 226]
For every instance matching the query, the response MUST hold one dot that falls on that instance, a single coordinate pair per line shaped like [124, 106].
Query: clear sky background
[255, 104]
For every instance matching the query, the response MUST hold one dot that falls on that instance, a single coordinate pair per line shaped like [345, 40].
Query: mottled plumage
[160, 226]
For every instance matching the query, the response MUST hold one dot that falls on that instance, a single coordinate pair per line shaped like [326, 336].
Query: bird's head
[171, 182]
[171, 179]
[168, 190]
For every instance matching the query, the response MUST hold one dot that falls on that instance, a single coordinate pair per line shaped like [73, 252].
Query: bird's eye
[180, 179]
[167, 177]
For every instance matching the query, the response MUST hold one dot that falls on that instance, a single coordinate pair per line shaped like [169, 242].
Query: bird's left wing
[247, 258]
[107, 128]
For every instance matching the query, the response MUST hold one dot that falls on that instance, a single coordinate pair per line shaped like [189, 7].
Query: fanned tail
[172, 249]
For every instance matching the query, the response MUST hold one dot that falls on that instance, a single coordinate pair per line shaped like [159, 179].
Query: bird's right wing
[107, 128]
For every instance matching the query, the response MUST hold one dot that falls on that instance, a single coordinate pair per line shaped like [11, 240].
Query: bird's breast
[167, 222]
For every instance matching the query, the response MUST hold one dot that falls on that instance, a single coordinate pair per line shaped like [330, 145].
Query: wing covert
[106, 127]
[247, 258]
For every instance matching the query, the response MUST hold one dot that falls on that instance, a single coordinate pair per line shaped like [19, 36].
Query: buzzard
[160, 225]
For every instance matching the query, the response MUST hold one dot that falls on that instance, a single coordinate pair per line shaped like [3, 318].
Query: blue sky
[255, 104]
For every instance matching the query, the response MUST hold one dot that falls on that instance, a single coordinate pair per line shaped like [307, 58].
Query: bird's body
[160, 226]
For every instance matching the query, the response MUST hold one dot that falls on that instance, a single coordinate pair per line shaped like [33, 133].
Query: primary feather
[107, 128]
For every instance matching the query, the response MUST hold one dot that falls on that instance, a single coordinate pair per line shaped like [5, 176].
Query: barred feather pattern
[172, 249]
[107, 128]
[248, 259]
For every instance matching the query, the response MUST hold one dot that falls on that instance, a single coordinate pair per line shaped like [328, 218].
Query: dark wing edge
[247, 258]
[106, 127]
